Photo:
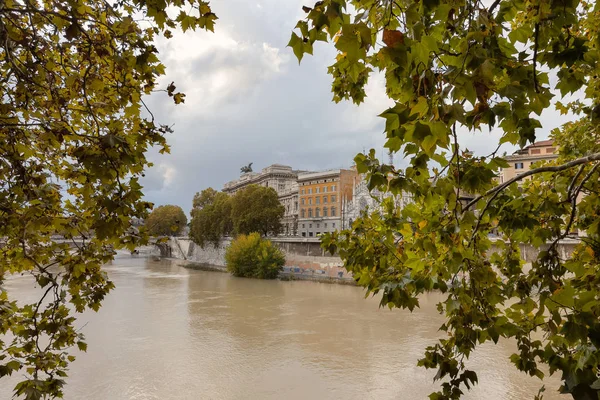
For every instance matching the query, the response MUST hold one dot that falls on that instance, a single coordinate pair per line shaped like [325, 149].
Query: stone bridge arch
[164, 248]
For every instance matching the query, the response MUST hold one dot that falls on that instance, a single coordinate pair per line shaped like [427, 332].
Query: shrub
[251, 256]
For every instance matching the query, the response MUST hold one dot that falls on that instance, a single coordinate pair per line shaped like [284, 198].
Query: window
[324, 211]
[317, 190]
[550, 150]
[303, 226]
[310, 201]
[324, 199]
[310, 191]
[317, 214]
[310, 234]
[333, 198]
[318, 200]
[295, 206]
[310, 225]
[333, 225]
[332, 211]
[303, 234]
[302, 214]
[333, 188]
[324, 189]
[302, 191]
[302, 201]
[325, 224]
[310, 213]
[519, 165]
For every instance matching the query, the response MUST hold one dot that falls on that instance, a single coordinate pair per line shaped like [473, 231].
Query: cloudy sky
[248, 100]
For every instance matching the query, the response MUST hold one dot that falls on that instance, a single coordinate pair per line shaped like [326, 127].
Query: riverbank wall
[304, 258]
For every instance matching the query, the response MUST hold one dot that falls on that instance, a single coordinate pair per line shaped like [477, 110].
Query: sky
[248, 100]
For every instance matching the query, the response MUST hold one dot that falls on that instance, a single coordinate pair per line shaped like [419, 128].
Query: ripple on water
[166, 332]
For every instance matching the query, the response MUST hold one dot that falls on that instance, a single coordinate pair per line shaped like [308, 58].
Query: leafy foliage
[72, 150]
[211, 217]
[251, 256]
[166, 220]
[465, 65]
[256, 209]
[252, 209]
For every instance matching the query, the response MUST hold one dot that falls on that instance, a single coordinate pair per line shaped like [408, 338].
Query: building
[364, 201]
[279, 177]
[322, 196]
[521, 160]
[283, 179]
[289, 199]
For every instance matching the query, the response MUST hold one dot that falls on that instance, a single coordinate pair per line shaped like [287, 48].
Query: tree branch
[493, 6]
[535, 52]
[552, 168]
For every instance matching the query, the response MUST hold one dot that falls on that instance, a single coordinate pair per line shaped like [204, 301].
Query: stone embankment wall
[305, 259]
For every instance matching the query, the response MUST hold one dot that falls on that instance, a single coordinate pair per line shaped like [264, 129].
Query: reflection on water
[171, 333]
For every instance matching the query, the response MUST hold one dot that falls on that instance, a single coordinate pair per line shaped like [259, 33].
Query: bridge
[160, 243]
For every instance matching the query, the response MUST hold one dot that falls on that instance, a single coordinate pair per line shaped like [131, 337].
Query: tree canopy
[74, 130]
[166, 220]
[252, 256]
[211, 217]
[457, 66]
[256, 209]
[252, 209]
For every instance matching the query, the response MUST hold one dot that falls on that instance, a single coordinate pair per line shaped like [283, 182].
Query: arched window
[324, 211]
[310, 213]
[303, 213]
[333, 211]
[317, 212]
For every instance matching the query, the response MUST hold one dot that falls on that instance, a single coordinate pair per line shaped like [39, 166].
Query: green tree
[72, 149]
[251, 256]
[166, 220]
[211, 217]
[256, 209]
[464, 66]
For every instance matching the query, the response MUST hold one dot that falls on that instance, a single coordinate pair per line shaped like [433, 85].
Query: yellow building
[323, 196]
[522, 159]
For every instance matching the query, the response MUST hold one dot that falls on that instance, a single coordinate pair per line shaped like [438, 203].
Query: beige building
[522, 159]
[283, 179]
[322, 198]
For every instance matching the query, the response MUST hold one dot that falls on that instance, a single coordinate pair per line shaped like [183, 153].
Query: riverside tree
[166, 220]
[252, 256]
[252, 209]
[73, 139]
[452, 66]
[211, 217]
[256, 209]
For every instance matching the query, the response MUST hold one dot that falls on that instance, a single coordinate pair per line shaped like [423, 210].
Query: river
[167, 332]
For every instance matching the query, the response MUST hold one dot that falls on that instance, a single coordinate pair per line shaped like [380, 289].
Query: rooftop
[320, 174]
[540, 144]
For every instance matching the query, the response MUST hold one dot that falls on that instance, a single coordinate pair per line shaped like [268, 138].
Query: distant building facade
[322, 196]
[283, 179]
[364, 200]
[521, 160]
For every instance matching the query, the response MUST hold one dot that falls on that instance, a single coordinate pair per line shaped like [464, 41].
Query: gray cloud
[247, 100]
